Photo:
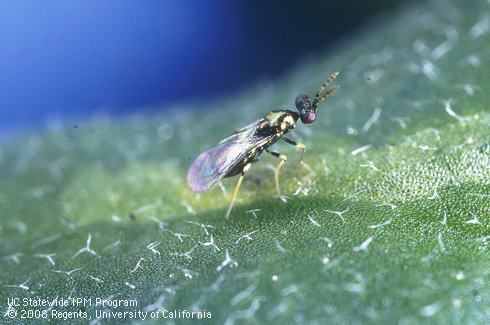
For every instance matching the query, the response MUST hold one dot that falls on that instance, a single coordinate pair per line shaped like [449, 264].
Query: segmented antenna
[319, 97]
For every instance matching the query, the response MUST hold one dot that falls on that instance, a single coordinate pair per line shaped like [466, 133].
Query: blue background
[71, 59]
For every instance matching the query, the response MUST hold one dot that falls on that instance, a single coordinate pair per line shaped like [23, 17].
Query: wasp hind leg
[237, 189]
[303, 148]
[278, 168]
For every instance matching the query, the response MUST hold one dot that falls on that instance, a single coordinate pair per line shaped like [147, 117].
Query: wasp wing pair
[219, 161]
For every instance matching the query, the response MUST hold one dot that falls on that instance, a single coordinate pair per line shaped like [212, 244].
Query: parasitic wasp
[235, 154]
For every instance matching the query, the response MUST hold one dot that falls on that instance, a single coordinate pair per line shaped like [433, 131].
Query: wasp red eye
[308, 117]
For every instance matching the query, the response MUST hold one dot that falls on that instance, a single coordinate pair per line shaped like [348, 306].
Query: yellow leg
[303, 148]
[237, 188]
[278, 168]
[308, 168]
[298, 145]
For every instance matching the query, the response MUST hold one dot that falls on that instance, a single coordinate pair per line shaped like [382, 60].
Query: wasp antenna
[324, 85]
[332, 77]
[327, 93]
[322, 88]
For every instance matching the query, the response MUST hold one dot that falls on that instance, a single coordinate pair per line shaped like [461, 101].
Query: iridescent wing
[216, 162]
[242, 133]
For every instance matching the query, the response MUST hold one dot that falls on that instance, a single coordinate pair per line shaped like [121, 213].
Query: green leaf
[392, 226]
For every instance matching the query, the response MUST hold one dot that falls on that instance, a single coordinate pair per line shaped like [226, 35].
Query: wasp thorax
[289, 121]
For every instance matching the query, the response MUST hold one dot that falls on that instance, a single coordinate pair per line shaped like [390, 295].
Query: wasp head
[305, 109]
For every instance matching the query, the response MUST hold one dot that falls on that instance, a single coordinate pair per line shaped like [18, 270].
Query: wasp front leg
[237, 189]
[278, 168]
[303, 148]
[298, 145]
